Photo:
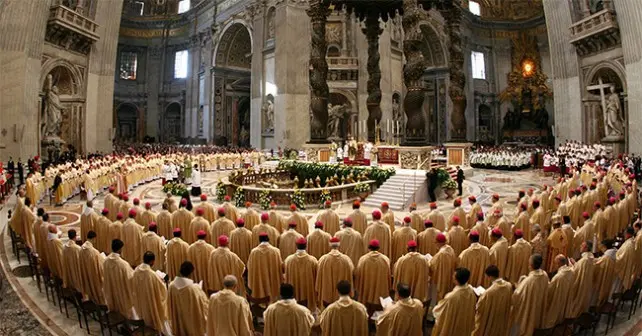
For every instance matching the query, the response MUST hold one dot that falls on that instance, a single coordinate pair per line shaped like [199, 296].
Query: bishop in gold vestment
[518, 255]
[229, 313]
[150, 295]
[404, 317]
[88, 219]
[118, 286]
[352, 243]
[559, 301]
[372, 275]
[91, 266]
[148, 216]
[302, 226]
[222, 226]
[333, 267]
[199, 254]
[286, 317]
[455, 314]
[176, 254]
[358, 218]
[54, 252]
[264, 226]
[329, 218]
[250, 216]
[102, 232]
[182, 218]
[499, 251]
[301, 272]
[556, 244]
[71, 276]
[388, 218]
[344, 317]
[132, 235]
[626, 262]
[241, 240]
[493, 306]
[265, 269]
[413, 269]
[442, 266]
[154, 243]
[318, 241]
[164, 222]
[208, 208]
[475, 259]
[583, 287]
[287, 241]
[224, 262]
[199, 223]
[400, 239]
[457, 236]
[380, 231]
[437, 218]
[187, 304]
[426, 239]
[530, 300]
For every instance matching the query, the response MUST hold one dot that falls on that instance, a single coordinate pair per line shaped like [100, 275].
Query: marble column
[257, 86]
[413, 73]
[23, 25]
[456, 90]
[629, 18]
[373, 102]
[155, 116]
[100, 87]
[319, 91]
[565, 70]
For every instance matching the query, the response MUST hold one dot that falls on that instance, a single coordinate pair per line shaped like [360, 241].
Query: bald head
[561, 260]
[52, 228]
[230, 282]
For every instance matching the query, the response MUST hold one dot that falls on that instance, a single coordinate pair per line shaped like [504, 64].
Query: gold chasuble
[457, 239]
[241, 243]
[529, 302]
[493, 310]
[626, 264]
[583, 287]
[400, 239]
[71, 275]
[251, 218]
[605, 275]
[499, 255]
[333, 267]
[176, 254]
[146, 217]
[115, 230]
[119, 291]
[426, 241]
[459, 213]
[221, 227]
[380, 231]
[54, 255]
[344, 317]
[150, 296]
[559, 301]
[164, 222]
[88, 221]
[318, 243]
[302, 226]
[91, 266]
[199, 254]
[277, 221]
[132, 235]
[287, 318]
[471, 216]
[416, 221]
[272, 233]
[102, 234]
[438, 220]
[208, 210]
[287, 242]
[413, 269]
[455, 314]
[301, 272]
[403, 318]
[372, 277]
[154, 243]
[523, 223]
[389, 218]
[182, 219]
[224, 262]
[359, 221]
[229, 314]
[476, 258]
[330, 221]
[352, 244]
[557, 243]
[517, 264]
[484, 233]
[187, 307]
[199, 224]
[231, 212]
[442, 267]
[264, 272]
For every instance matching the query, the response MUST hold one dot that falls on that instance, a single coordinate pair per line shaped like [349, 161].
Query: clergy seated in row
[286, 317]
[187, 304]
[455, 314]
[372, 275]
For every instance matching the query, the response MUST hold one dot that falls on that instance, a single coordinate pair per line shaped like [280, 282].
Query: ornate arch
[434, 50]
[78, 87]
[228, 35]
[615, 66]
[350, 96]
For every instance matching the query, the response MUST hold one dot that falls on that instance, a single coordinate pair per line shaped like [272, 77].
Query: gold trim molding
[151, 33]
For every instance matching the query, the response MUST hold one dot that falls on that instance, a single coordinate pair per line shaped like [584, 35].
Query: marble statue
[396, 111]
[268, 113]
[335, 115]
[53, 110]
[613, 121]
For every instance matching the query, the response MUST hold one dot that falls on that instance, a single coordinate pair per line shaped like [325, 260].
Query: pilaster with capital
[319, 91]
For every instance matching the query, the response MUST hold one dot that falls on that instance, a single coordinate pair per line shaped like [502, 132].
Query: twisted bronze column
[413, 72]
[373, 102]
[319, 91]
[457, 77]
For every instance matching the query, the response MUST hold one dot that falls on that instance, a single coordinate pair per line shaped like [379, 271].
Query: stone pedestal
[317, 152]
[615, 144]
[415, 157]
[457, 153]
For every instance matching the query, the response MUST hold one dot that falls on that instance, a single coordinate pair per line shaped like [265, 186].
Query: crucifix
[601, 86]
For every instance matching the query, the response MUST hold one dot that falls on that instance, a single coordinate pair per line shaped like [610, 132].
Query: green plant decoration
[265, 199]
[239, 197]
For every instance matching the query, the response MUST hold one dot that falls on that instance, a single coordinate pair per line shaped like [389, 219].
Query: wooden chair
[87, 309]
[138, 327]
[50, 285]
[586, 321]
[631, 295]
[609, 309]
[36, 270]
[256, 307]
[109, 320]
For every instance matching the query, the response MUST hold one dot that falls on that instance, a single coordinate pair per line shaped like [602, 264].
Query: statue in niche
[613, 120]
[270, 25]
[268, 113]
[396, 109]
[335, 115]
[52, 117]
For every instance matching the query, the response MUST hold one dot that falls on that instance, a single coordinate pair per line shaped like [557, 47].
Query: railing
[71, 19]
[343, 62]
[596, 23]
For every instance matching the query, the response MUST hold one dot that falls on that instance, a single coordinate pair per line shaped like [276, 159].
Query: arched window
[333, 51]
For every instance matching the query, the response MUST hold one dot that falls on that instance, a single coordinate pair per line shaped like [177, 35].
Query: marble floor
[26, 311]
